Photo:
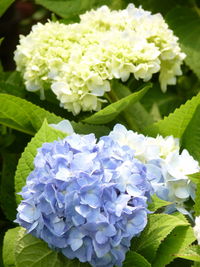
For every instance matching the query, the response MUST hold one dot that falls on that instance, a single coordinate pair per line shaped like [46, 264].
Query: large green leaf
[190, 253]
[69, 9]
[25, 165]
[22, 250]
[33, 252]
[185, 23]
[10, 240]
[180, 238]
[26, 117]
[191, 136]
[4, 5]
[133, 259]
[157, 203]
[110, 112]
[176, 123]
[22, 115]
[7, 192]
[158, 227]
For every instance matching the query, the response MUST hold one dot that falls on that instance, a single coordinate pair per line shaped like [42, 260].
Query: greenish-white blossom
[78, 60]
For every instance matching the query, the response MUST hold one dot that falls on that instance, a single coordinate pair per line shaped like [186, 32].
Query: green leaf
[181, 217]
[22, 115]
[136, 115]
[4, 5]
[8, 88]
[7, 192]
[190, 253]
[191, 136]
[33, 252]
[110, 112]
[180, 238]
[70, 9]
[157, 203]
[185, 23]
[166, 103]
[196, 179]
[158, 227]
[22, 250]
[12, 83]
[196, 264]
[133, 259]
[10, 240]
[98, 130]
[26, 117]
[25, 165]
[176, 123]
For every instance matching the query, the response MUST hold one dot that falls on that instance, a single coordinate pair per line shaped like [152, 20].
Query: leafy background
[167, 240]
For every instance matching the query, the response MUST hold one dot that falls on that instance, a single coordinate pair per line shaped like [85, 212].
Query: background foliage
[143, 107]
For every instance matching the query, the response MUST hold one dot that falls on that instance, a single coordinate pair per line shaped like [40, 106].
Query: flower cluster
[196, 229]
[86, 198]
[78, 60]
[162, 157]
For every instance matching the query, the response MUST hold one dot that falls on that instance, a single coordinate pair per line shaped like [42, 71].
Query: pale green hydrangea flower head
[78, 60]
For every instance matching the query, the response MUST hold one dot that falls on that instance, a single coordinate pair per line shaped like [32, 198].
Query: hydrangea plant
[87, 194]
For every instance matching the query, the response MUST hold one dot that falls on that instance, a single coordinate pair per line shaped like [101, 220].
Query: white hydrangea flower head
[161, 154]
[78, 60]
[197, 229]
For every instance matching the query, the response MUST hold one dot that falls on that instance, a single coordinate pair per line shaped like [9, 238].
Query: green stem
[112, 97]
[130, 122]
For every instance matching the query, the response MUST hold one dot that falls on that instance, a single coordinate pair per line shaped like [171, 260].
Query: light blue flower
[86, 199]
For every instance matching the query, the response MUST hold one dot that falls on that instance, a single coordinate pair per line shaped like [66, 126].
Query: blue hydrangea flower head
[85, 198]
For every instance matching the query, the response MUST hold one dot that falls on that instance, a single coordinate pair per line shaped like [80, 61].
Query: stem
[131, 124]
[112, 97]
